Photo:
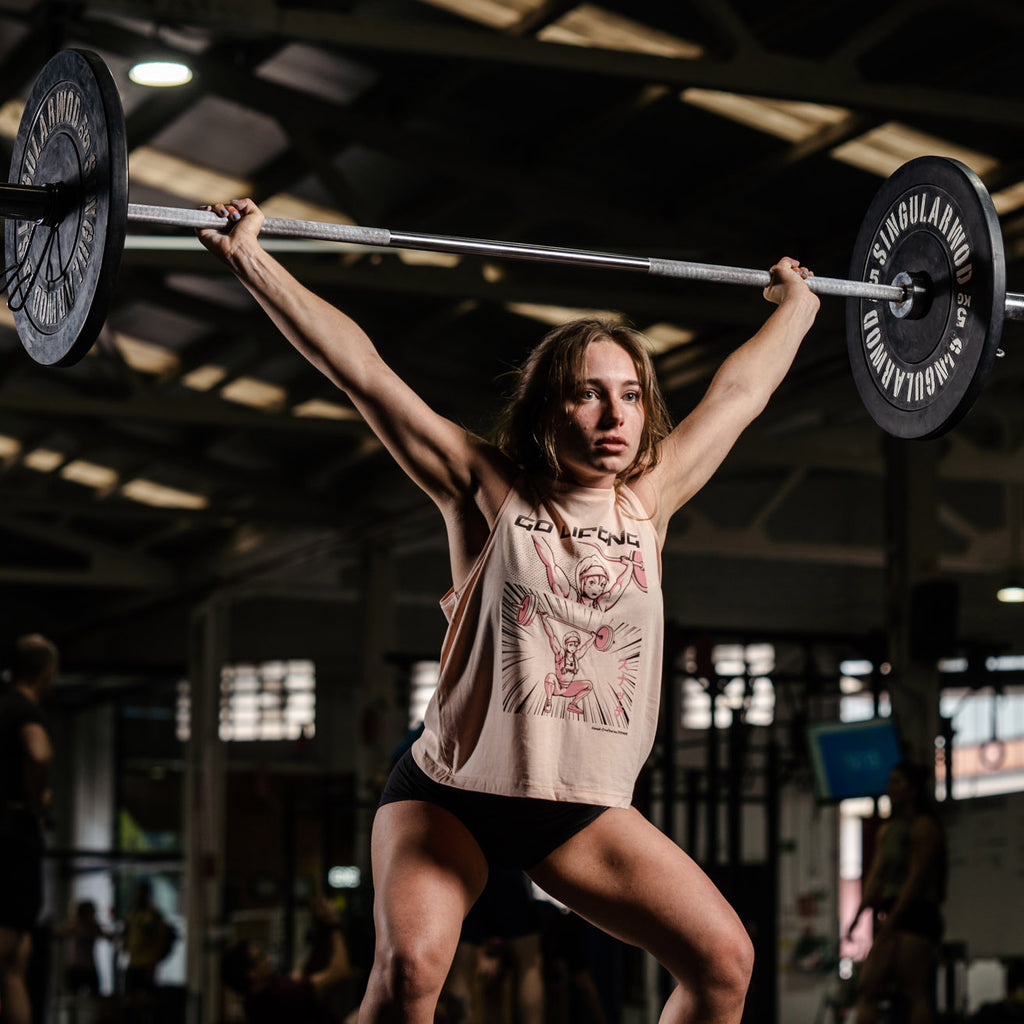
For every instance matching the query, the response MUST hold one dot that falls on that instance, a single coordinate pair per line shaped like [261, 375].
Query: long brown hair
[546, 387]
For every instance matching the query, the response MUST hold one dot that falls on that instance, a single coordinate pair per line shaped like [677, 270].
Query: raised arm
[446, 461]
[737, 394]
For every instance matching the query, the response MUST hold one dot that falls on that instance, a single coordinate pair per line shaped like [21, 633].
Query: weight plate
[71, 135]
[918, 375]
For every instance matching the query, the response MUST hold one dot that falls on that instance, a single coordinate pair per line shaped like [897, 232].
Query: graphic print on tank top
[565, 653]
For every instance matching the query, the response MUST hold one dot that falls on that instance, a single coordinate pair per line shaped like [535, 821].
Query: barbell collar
[1014, 306]
[38, 203]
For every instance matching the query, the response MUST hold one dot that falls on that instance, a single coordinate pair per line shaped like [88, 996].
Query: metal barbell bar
[42, 203]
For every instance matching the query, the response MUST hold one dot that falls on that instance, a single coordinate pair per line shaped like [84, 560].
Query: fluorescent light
[148, 492]
[344, 876]
[1012, 593]
[145, 356]
[555, 315]
[257, 394]
[204, 378]
[501, 14]
[665, 336]
[90, 474]
[160, 74]
[590, 25]
[43, 460]
[319, 408]
[181, 177]
[856, 667]
[10, 118]
[791, 120]
[887, 147]
[1008, 199]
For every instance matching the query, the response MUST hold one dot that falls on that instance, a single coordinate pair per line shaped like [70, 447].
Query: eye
[588, 395]
[631, 396]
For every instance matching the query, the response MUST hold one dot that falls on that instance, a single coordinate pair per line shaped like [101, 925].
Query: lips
[612, 444]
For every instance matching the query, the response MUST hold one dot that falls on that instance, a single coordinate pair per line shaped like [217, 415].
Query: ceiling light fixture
[160, 73]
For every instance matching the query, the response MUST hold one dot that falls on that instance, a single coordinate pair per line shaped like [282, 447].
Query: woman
[905, 888]
[585, 456]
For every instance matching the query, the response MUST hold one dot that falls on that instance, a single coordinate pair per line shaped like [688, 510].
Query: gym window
[743, 680]
[273, 700]
[423, 678]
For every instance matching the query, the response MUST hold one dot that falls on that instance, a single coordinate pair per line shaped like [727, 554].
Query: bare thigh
[428, 871]
[622, 874]
[879, 967]
[914, 959]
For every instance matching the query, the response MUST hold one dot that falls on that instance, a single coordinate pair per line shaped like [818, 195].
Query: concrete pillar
[912, 558]
[381, 720]
[204, 812]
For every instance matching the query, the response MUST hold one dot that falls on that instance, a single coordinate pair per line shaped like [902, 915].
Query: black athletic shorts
[21, 871]
[513, 831]
[921, 918]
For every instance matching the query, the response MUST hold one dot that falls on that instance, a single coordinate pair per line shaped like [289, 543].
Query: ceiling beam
[758, 73]
[187, 411]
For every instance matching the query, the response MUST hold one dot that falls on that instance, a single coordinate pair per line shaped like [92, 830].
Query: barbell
[926, 295]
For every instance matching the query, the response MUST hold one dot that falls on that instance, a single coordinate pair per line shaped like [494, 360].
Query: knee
[411, 973]
[724, 974]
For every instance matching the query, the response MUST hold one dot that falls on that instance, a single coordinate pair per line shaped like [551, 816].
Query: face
[602, 434]
[594, 585]
[898, 789]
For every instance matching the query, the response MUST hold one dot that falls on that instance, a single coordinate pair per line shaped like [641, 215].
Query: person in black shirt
[25, 755]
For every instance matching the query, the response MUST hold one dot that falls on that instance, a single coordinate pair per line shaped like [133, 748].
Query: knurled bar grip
[281, 228]
[762, 278]
[273, 227]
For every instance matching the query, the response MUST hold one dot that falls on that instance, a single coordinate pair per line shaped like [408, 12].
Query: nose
[614, 410]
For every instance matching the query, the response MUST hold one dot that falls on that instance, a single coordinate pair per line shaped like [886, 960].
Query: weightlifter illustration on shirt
[592, 576]
[595, 655]
[564, 681]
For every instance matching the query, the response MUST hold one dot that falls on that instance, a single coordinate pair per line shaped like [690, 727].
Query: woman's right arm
[446, 461]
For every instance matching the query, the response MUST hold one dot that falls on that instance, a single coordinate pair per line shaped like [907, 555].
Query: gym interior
[245, 589]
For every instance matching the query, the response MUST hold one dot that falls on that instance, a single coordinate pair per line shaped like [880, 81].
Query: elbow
[748, 397]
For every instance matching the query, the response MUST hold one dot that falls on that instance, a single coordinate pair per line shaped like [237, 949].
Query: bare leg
[875, 977]
[531, 978]
[914, 958]
[458, 986]
[15, 952]
[550, 682]
[627, 878]
[577, 690]
[427, 872]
